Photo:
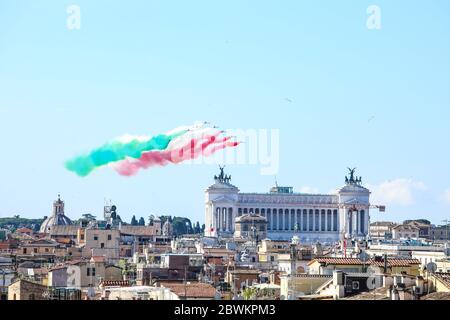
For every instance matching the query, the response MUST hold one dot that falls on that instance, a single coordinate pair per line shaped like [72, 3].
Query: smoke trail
[128, 154]
[118, 150]
[182, 149]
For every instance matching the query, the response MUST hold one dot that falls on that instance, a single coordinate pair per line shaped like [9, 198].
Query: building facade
[381, 230]
[312, 217]
[405, 231]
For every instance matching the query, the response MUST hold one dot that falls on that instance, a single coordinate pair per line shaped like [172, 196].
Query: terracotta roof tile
[196, 290]
[444, 278]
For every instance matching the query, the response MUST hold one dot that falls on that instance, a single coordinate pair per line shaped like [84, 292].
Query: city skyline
[339, 94]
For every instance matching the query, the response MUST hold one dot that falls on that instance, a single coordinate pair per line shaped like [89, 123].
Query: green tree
[197, 228]
[165, 218]
[141, 222]
[151, 220]
[181, 226]
[134, 221]
[249, 293]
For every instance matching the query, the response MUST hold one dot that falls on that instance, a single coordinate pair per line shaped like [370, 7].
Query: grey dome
[57, 218]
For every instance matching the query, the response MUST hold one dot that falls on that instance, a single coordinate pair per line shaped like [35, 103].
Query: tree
[141, 221]
[165, 218]
[181, 226]
[249, 293]
[151, 220]
[197, 228]
[134, 221]
[203, 228]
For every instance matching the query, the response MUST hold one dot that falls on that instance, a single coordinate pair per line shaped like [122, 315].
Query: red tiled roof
[60, 267]
[98, 259]
[357, 262]
[195, 290]
[63, 240]
[444, 278]
[24, 230]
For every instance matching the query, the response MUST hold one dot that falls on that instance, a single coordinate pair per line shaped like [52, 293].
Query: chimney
[338, 278]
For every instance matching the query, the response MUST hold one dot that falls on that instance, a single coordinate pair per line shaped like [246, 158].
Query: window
[88, 272]
[35, 250]
[46, 250]
[93, 272]
[24, 250]
[95, 237]
[102, 245]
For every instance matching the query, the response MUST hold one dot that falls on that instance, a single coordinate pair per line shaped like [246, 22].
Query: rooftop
[195, 290]
[437, 296]
[444, 278]
[394, 262]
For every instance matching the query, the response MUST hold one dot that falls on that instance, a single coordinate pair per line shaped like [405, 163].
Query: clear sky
[340, 94]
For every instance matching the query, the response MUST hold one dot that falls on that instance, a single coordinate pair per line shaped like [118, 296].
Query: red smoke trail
[192, 149]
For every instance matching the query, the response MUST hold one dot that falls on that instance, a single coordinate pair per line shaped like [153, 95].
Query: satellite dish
[364, 257]
[431, 267]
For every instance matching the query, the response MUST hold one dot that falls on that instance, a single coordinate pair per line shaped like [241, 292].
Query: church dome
[57, 218]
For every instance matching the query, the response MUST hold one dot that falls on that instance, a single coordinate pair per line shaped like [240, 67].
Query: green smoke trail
[116, 151]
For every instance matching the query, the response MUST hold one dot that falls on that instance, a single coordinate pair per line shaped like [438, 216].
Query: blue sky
[340, 94]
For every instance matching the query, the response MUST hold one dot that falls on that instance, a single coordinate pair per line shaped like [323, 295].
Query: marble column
[320, 220]
[307, 221]
[224, 217]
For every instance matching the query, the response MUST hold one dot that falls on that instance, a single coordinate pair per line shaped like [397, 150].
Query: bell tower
[58, 206]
